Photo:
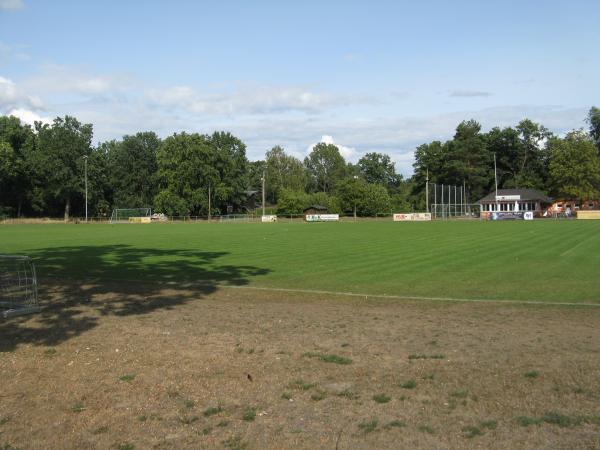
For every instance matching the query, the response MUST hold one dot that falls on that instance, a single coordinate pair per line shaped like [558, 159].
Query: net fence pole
[443, 211]
[454, 201]
[435, 201]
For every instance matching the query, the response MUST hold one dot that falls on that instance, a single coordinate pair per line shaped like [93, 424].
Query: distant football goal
[126, 215]
[18, 286]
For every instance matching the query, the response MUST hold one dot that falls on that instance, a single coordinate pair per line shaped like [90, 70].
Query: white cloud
[245, 99]
[11, 96]
[27, 116]
[11, 4]
[261, 115]
[75, 81]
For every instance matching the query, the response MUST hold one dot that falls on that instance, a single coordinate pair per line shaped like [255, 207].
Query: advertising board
[412, 217]
[322, 217]
[508, 215]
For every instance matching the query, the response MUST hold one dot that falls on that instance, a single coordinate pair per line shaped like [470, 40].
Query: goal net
[130, 214]
[18, 286]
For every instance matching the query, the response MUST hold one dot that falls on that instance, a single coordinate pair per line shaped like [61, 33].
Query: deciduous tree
[574, 166]
[325, 166]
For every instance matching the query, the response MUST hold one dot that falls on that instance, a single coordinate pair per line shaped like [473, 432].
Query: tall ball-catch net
[124, 215]
[18, 286]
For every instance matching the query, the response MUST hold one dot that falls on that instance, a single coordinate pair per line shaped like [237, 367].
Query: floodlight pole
[85, 159]
[427, 192]
[209, 200]
[263, 193]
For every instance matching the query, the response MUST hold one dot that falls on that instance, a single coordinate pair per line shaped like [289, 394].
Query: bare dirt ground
[155, 367]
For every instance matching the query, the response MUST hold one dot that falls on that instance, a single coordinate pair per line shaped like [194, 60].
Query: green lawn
[541, 260]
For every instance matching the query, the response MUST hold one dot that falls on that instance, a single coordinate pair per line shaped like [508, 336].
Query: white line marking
[335, 293]
[407, 297]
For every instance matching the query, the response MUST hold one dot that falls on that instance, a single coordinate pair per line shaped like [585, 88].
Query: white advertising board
[322, 217]
[269, 218]
[412, 217]
[528, 215]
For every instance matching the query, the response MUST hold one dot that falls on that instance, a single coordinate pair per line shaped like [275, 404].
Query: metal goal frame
[18, 286]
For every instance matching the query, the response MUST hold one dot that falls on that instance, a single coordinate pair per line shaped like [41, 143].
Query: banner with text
[411, 217]
[268, 218]
[322, 217]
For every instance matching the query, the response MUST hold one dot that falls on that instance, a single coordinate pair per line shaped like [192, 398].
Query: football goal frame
[18, 286]
[124, 215]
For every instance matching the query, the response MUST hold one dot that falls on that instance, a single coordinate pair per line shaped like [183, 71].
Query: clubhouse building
[509, 201]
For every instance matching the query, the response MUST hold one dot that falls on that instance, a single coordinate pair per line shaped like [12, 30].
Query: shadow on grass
[80, 284]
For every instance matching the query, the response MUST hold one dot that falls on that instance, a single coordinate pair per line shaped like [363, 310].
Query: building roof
[317, 207]
[526, 194]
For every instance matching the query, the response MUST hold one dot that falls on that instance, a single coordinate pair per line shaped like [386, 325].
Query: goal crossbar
[124, 214]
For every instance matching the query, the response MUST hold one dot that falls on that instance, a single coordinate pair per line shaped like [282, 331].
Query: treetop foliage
[42, 170]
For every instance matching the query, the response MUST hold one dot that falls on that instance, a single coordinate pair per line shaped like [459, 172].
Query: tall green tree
[378, 168]
[292, 202]
[594, 120]
[191, 165]
[228, 169]
[325, 166]
[58, 160]
[183, 175]
[256, 169]
[468, 160]
[362, 198]
[430, 159]
[574, 166]
[283, 171]
[506, 144]
[532, 158]
[131, 168]
[16, 145]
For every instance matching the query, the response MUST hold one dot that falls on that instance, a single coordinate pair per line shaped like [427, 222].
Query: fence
[438, 211]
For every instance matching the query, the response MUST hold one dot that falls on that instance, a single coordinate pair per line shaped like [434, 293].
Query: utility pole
[85, 158]
[496, 180]
[209, 201]
[263, 193]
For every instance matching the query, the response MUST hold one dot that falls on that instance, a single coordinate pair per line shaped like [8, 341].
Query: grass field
[545, 261]
[156, 336]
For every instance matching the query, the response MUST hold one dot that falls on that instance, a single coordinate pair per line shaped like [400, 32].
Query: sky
[369, 76]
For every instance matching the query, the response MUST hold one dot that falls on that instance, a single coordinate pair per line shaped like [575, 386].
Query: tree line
[526, 156]
[42, 170]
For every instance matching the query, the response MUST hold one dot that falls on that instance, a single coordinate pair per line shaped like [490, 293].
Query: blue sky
[368, 76]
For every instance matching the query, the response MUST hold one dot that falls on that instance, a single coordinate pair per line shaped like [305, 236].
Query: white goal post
[124, 215]
[18, 286]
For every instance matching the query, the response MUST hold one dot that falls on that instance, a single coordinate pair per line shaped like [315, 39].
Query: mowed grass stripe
[542, 260]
